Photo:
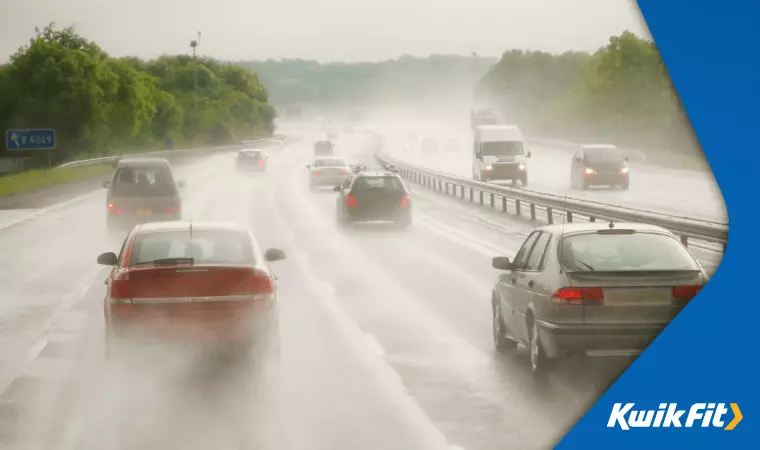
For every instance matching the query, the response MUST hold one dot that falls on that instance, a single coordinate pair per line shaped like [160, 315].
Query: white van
[498, 154]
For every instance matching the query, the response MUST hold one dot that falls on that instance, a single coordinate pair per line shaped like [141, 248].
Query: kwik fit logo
[669, 415]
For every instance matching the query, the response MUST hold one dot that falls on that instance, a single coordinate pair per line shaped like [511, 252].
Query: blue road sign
[42, 139]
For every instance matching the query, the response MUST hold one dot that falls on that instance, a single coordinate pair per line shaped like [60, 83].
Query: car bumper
[380, 216]
[606, 179]
[504, 172]
[329, 180]
[597, 340]
[252, 167]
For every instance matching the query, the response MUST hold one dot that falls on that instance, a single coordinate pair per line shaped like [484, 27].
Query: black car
[374, 196]
[599, 165]
[254, 160]
[323, 148]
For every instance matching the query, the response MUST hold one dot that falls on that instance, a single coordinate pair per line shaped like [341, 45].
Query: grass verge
[35, 180]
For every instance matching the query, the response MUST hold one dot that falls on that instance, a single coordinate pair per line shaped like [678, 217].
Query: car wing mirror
[578, 159]
[336, 189]
[106, 184]
[501, 263]
[108, 259]
[274, 254]
[529, 154]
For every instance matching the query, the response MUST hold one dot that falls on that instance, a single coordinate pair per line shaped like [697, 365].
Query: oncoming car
[599, 165]
[374, 196]
[592, 288]
[202, 283]
[254, 160]
[327, 171]
[142, 190]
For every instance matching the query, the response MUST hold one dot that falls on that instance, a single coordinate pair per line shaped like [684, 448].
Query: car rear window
[251, 155]
[330, 163]
[144, 182]
[205, 247]
[624, 252]
[603, 154]
[371, 183]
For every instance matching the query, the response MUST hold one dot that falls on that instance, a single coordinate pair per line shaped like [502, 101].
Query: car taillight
[351, 201]
[685, 292]
[120, 289]
[344, 172]
[259, 284]
[578, 296]
[316, 172]
[261, 162]
[113, 209]
[405, 200]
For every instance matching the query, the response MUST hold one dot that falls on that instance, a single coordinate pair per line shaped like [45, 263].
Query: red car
[202, 282]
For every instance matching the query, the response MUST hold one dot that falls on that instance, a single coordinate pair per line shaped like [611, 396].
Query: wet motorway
[386, 335]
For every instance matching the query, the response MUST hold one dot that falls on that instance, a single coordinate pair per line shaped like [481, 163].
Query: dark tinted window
[603, 155]
[250, 155]
[624, 252]
[370, 183]
[537, 254]
[502, 148]
[205, 247]
[144, 182]
[333, 162]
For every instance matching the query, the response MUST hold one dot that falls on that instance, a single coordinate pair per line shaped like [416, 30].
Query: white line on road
[42, 211]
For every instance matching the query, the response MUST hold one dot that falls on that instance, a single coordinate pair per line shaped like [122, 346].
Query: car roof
[185, 225]
[579, 227]
[377, 173]
[251, 150]
[329, 158]
[143, 162]
[599, 146]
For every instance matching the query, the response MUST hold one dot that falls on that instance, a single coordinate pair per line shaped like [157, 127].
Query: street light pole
[194, 44]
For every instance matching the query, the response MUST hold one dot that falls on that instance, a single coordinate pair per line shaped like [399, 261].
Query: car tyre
[502, 343]
[524, 180]
[539, 362]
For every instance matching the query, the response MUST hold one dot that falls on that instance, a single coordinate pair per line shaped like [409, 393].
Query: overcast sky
[325, 30]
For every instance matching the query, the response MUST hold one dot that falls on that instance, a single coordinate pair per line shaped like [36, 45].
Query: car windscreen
[505, 148]
[603, 155]
[337, 162]
[144, 182]
[203, 247]
[638, 251]
[374, 183]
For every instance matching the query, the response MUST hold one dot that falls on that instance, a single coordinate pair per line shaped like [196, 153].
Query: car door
[508, 288]
[531, 285]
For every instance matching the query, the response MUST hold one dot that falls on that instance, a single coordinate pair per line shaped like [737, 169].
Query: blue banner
[41, 139]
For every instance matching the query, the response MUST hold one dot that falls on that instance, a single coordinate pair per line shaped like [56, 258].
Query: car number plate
[144, 212]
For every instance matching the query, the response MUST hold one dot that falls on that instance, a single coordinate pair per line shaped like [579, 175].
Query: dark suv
[599, 165]
[374, 196]
[142, 190]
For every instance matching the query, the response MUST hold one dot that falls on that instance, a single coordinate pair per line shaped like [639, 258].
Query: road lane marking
[49, 209]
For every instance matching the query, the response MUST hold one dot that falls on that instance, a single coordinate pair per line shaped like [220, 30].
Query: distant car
[254, 160]
[142, 190]
[599, 165]
[593, 288]
[201, 283]
[323, 148]
[374, 196]
[328, 171]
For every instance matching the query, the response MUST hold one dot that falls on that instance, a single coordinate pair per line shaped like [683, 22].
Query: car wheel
[502, 343]
[524, 180]
[584, 185]
[538, 360]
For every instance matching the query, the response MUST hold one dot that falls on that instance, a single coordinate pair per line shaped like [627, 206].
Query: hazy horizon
[331, 31]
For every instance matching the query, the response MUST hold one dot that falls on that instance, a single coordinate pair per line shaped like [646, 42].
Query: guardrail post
[685, 239]
[532, 211]
[592, 219]
[504, 204]
[461, 191]
[550, 214]
[472, 194]
[517, 207]
[493, 201]
[481, 197]
[569, 216]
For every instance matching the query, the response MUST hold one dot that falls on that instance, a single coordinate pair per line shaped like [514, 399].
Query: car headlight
[624, 171]
[489, 167]
[589, 171]
[521, 166]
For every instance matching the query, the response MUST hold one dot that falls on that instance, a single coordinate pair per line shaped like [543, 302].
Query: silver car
[328, 171]
[593, 288]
